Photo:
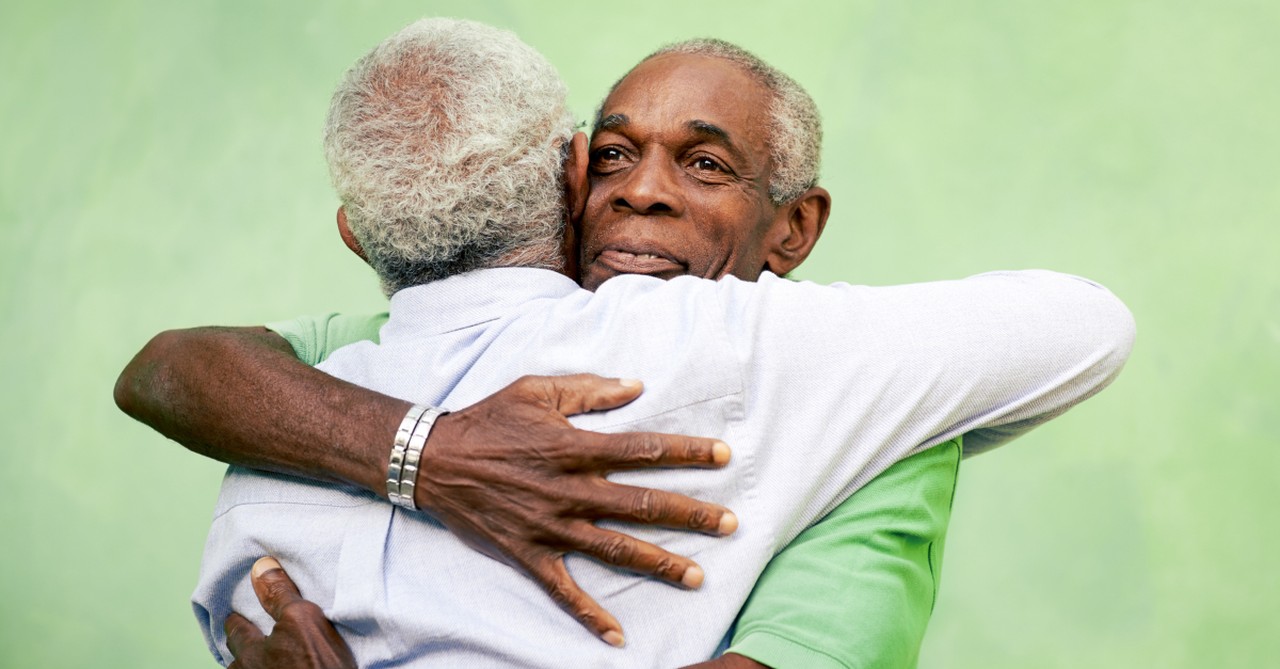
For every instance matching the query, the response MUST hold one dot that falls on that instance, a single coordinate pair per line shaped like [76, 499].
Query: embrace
[416, 477]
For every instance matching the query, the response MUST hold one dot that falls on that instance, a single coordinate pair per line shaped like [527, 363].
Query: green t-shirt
[854, 590]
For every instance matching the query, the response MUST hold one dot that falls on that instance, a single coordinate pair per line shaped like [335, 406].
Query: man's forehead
[698, 94]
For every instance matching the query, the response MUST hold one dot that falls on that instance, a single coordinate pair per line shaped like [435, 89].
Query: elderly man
[655, 162]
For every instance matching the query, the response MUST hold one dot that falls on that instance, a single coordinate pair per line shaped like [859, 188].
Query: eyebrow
[699, 127]
[712, 131]
[703, 128]
[611, 122]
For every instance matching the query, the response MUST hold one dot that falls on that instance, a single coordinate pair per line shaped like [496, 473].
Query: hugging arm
[855, 590]
[857, 587]
[508, 475]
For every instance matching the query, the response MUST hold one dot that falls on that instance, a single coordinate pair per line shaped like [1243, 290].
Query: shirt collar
[470, 298]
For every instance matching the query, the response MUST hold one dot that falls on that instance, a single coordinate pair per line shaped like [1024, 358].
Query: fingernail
[614, 639]
[692, 577]
[264, 565]
[720, 453]
[629, 383]
[728, 523]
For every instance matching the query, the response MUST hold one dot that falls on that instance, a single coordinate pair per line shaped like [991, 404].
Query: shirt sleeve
[313, 338]
[988, 357]
[857, 589]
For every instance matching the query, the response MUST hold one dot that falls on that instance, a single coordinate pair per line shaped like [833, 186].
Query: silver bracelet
[413, 456]
[398, 449]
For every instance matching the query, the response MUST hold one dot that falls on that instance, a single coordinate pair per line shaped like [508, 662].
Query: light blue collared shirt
[816, 388]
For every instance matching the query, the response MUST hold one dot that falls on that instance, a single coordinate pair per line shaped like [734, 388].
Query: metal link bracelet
[395, 468]
[413, 457]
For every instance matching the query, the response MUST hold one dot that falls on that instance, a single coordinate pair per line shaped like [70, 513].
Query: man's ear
[575, 200]
[575, 178]
[796, 230]
[348, 237]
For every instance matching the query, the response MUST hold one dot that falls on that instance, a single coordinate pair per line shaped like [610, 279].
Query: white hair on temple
[446, 146]
[795, 128]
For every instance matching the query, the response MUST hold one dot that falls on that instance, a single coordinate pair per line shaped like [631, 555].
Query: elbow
[121, 393]
[1115, 330]
[144, 377]
[1103, 318]
[1124, 330]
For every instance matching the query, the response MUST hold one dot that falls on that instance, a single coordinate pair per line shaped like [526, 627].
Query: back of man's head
[445, 144]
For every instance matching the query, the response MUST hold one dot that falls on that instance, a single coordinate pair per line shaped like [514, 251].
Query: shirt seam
[791, 642]
[233, 507]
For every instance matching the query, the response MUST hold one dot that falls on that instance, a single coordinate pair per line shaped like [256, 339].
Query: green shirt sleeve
[857, 588]
[313, 338]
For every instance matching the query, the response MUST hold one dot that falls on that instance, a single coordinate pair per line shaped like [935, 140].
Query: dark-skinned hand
[513, 479]
[302, 637]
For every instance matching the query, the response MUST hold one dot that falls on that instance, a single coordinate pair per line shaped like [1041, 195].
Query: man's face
[679, 174]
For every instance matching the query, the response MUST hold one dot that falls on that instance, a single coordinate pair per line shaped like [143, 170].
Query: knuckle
[276, 590]
[614, 550]
[560, 594]
[644, 449]
[647, 506]
[587, 617]
[525, 382]
[666, 567]
[301, 611]
[699, 519]
[234, 627]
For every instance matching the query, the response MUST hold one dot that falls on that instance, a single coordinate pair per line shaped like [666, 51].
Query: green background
[161, 168]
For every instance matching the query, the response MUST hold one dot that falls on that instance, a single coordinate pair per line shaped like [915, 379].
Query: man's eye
[704, 163]
[607, 160]
[608, 154]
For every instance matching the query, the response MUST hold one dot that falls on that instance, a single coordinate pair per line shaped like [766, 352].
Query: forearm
[508, 475]
[238, 395]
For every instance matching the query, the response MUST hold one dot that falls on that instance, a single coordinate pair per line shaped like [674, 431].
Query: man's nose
[650, 187]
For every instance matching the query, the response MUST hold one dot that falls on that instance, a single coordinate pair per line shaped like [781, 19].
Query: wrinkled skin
[509, 475]
[679, 175]
[549, 488]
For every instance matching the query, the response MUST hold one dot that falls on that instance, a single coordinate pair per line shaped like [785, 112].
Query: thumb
[273, 586]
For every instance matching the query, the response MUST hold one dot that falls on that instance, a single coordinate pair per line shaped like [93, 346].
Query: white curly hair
[795, 127]
[446, 146]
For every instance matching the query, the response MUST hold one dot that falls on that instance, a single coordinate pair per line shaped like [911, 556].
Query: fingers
[638, 556]
[554, 578]
[580, 393]
[654, 507]
[241, 633]
[274, 588]
[639, 450]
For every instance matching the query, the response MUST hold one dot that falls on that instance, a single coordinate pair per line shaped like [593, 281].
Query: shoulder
[314, 338]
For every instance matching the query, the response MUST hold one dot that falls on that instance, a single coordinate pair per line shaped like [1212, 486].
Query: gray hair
[446, 146]
[795, 128]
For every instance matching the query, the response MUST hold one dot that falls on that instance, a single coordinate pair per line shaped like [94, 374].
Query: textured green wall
[160, 167]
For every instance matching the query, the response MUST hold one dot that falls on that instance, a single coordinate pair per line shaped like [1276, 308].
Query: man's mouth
[637, 262]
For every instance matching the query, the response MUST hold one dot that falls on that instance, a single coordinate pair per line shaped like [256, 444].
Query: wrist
[403, 464]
